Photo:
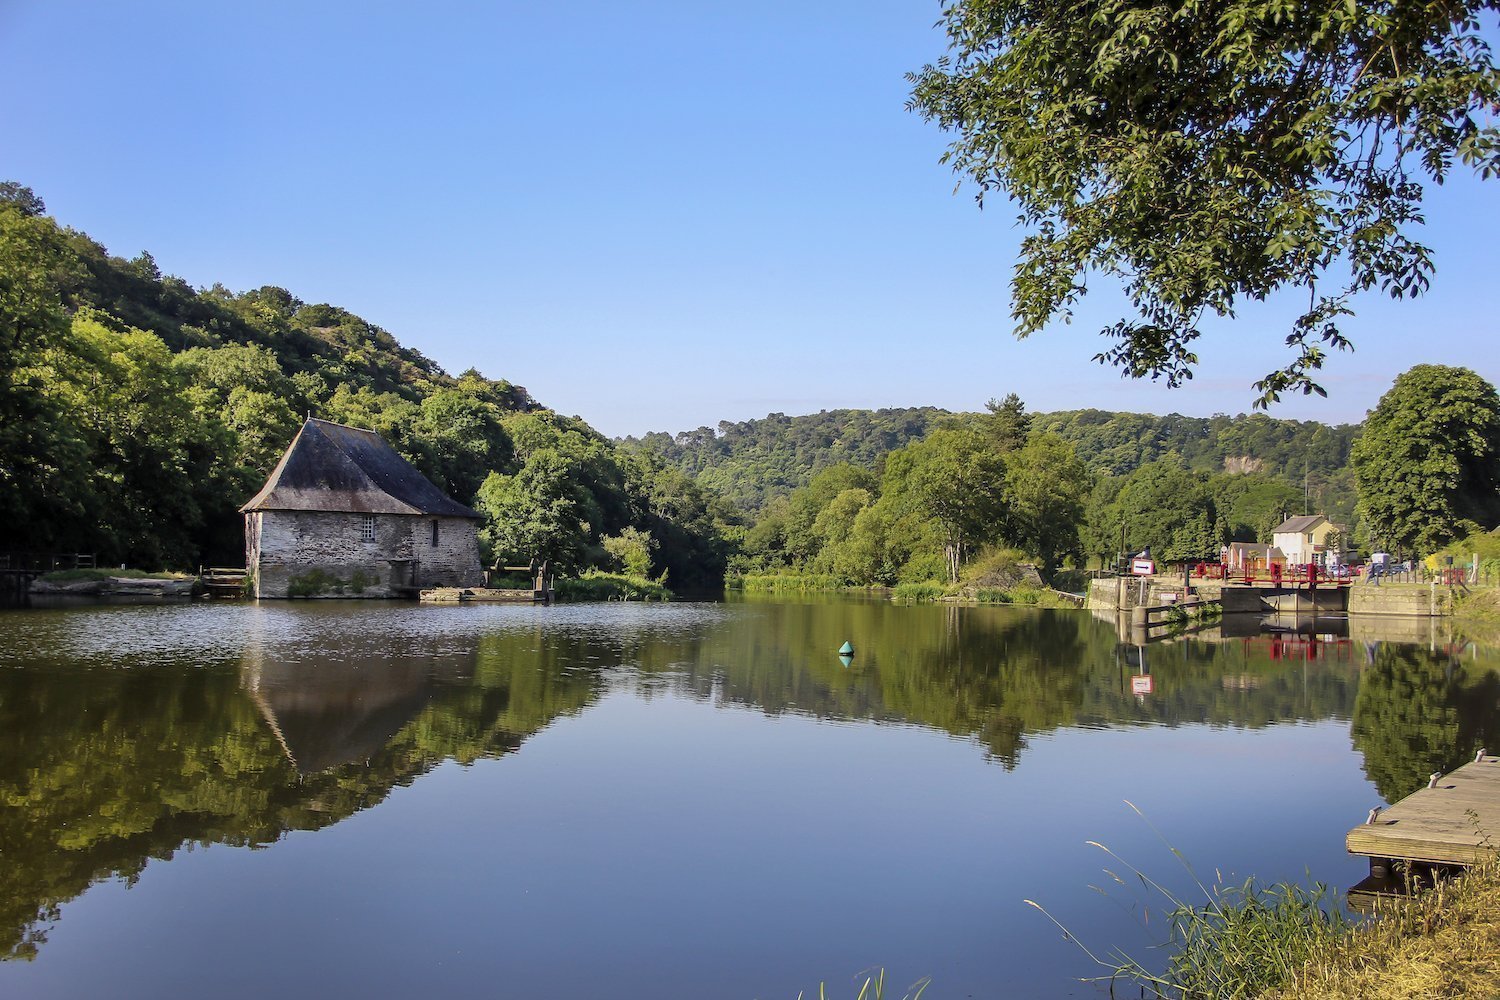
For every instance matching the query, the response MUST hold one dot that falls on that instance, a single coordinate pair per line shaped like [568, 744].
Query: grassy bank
[908, 593]
[788, 583]
[1023, 595]
[1477, 614]
[100, 575]
[594, 586]
[1444, 943]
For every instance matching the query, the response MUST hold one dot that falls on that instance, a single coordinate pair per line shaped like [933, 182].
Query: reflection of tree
[103, 772]
[995, 674]
[1420, 711]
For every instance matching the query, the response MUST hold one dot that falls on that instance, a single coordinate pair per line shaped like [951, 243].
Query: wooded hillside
[754, 461]
[137, 413]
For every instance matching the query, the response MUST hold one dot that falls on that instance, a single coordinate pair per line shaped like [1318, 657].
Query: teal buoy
[847, 649]
[846, 660]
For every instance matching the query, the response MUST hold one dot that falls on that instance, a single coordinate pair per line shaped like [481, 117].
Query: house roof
[1299, 524]
[331, 467]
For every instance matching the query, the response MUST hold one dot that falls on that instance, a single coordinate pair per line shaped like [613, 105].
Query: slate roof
[1298, 524]
[331, 467]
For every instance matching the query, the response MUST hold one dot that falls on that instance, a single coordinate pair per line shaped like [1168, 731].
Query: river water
[685, 800]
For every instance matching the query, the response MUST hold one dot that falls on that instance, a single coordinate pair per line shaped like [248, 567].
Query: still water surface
[690, 800]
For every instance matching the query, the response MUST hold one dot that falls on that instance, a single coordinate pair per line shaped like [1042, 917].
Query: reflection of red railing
[1302, 647]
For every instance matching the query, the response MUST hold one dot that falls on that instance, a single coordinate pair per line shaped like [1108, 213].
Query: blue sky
[655, 215]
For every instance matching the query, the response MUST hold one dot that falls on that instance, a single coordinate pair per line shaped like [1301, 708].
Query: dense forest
[891, 497]
[754, 461]
[137, 413]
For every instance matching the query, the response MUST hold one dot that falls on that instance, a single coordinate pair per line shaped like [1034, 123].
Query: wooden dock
[1455, 822]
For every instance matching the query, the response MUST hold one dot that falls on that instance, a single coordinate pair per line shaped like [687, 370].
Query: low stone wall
[115, 586]
[1417, 599]
[1122, 593]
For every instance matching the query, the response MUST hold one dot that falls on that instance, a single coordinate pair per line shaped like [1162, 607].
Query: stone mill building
[343, 515]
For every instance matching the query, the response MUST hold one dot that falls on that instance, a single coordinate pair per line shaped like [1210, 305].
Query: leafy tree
[954, 479]
[243, 385]
[151, 463]
[1253, 503]
[801, 539]
[1205, 154]
[21, 198]
[1046, 487]
[632, 548]
[1428, 463]
[750, 463]
[834, 528]
[1171, 511]
[461, 440]
[1007, 423]
[42, 458]
[688, 523]
[1099, 533]
[533, 515]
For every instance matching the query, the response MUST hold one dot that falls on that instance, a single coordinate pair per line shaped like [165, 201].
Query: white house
[1303, 539]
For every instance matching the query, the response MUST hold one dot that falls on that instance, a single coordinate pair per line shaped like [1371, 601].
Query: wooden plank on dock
[1457, 822]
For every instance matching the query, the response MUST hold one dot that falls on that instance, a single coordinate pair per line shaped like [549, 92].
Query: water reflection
[127, 734]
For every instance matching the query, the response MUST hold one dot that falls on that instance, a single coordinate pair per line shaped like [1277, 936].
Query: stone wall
[325, 554]
[1420, 599]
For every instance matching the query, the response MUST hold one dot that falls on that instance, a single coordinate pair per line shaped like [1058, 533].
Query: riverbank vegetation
[595, 585]
[1442, 943]
[1285, 941]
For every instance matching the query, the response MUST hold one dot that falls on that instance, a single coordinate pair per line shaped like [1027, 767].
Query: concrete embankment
[1420, 600]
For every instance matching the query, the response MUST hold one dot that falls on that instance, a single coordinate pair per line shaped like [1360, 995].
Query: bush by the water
[786, 583]
[914, 592]
[598, 586]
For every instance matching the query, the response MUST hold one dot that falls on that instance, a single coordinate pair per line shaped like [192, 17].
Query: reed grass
[873, 988]
[1444, 943]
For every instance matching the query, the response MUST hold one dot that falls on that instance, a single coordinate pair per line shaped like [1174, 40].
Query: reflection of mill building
[344, 515]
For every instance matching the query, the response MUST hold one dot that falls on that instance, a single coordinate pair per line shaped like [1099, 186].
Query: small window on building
[367, 528]
[434, 534]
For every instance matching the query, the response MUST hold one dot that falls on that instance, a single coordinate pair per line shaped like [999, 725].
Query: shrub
[597, 586]
[787, 583]
[312, 583]
[914, 592]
